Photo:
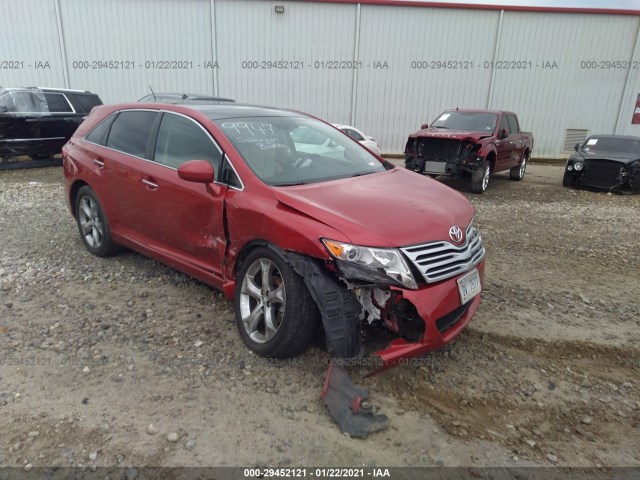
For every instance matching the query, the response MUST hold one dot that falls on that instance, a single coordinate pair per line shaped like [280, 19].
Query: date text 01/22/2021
[327, 472]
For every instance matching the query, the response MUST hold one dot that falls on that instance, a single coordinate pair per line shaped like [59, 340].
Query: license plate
[435, 167]
[469, 286]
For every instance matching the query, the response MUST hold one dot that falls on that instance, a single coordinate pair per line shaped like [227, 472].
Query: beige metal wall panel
[162, 43]
[306, 37]
[29, 45]
[581, 92]
[393, 102]
[386, 69]
[631, 93]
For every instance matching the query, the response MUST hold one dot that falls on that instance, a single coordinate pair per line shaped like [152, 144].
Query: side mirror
[503, 134]
[3, 109]
[372, 139]
[424, 126]
[576, 147]
[198, 171]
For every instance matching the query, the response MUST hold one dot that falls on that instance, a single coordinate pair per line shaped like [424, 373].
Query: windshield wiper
[288, 184]
[361, 174]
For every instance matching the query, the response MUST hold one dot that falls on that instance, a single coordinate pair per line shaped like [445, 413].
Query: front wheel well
[245, 251]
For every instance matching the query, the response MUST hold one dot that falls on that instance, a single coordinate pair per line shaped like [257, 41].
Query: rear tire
[93, 224]
[480, 178]
[275, 314]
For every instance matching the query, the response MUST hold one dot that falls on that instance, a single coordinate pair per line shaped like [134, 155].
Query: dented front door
[183, 219]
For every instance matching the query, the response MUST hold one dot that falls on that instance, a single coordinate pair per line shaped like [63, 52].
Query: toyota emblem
[455, 233]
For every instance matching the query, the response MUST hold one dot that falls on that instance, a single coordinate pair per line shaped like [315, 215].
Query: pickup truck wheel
[480, 178]
[275, 314]
[517, 172]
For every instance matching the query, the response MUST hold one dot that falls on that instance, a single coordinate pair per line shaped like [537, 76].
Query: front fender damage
[340, 311]
[338, 306]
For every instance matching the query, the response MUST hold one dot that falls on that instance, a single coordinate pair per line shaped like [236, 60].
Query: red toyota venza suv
[288, 216]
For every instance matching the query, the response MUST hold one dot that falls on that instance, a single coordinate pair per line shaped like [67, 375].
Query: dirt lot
[93, 351]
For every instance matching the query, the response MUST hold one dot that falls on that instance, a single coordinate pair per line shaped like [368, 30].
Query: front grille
[438, 148]
[450, 319]
[601, 173]
[438, 261]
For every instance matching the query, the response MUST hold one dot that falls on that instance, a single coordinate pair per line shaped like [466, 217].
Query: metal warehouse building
[383, 66]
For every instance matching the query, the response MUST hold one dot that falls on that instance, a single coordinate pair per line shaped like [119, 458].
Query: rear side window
[513, 124]
[99, 133]
[181, 139]
[130, 132]
[58, 103]
[84, 102]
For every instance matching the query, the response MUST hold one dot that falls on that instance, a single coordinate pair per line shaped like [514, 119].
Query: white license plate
[435, 167]
[469, 286]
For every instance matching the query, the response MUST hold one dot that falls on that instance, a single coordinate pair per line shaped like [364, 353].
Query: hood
[387, 209]
[621, 157]
[452, 134]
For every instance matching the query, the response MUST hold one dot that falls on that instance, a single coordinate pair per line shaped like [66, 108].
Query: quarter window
[180, 140]
[99, 134]
[130, 132]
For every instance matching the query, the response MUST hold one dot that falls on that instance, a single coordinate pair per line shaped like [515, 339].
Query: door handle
[152, 185]
[98, 163]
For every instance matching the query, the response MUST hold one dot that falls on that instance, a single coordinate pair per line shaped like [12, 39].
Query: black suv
[38, 121]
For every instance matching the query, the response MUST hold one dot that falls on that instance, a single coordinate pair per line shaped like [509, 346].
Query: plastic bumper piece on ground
[348, 405]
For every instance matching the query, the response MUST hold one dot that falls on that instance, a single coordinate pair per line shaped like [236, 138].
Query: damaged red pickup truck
[248, 200]
[470, 143]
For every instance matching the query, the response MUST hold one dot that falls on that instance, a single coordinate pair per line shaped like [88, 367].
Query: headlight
[376, 265]
[578, 166]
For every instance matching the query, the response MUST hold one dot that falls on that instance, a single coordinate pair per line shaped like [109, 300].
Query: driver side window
[180, 140]
[504, 124]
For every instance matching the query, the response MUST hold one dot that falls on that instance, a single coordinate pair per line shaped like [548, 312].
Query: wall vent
[573, 136]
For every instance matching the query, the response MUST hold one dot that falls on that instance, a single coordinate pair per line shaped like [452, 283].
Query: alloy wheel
[262, 300]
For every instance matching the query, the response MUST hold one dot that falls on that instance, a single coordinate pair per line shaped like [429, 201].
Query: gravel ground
[123, 361]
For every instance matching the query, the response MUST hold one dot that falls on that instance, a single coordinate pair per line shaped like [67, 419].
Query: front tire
[480, 178]
[93, 224]
[275, 314]
[517, 172]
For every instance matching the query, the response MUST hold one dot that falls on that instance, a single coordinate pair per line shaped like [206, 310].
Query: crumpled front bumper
[432, 303]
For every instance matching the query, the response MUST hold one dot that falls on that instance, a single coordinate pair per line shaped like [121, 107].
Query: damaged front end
[442, 156]
[415, 292]
[603, 174]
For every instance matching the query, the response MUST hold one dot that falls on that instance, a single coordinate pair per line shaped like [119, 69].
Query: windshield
[469, 121]
[612, 144]
[297, 150]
